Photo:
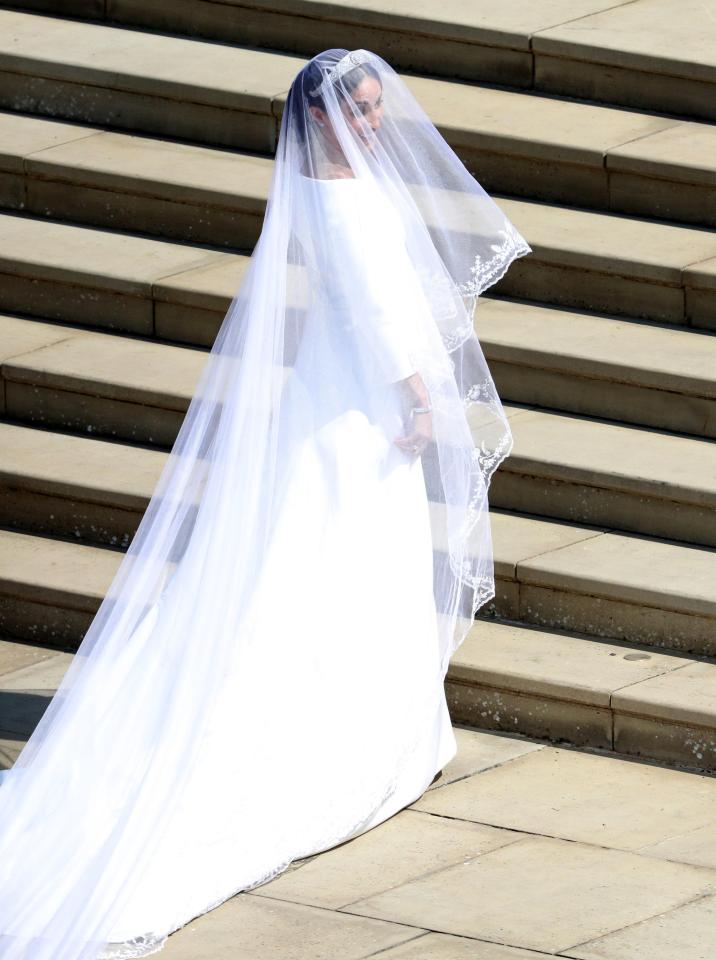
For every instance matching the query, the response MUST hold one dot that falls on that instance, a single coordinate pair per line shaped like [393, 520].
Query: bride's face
[368, 101]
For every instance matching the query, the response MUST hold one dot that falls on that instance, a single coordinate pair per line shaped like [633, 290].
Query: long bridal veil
[84, 807]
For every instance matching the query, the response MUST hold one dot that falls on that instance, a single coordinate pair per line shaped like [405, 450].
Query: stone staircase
[133, 178]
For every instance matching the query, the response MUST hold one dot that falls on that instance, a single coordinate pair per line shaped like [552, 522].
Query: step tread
[601, 562]
[123, 59]
[105, 259]
[99, 364]
[584, 560]
[607, 243]
[613, 456]
[601, 673]
[518, 123]
[598, 345]
[548, 444]
[45, 570]
[656, 36]
[77, 467]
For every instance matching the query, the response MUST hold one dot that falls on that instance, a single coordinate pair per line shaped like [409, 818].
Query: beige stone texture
[541, 128]
[420, 844]
[440, 946]
[54, 571]
[516, 538]
[265, 929]
[584, 797]
[586, 363]
[478, 751]
[632, 569]
[682, 932]
[74, 466]
[176, 68]
[533, 715]
[653, 35]
[584, 891]
[687, 846]
[602, 614]
[76, 255]
[561, 666]
[60, 271]
[116, 368]
[15, 655]
[560, 446]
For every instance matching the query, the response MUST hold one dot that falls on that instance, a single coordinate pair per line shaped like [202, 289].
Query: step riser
[40, 512]
[513, 487]
[597, 187]
[48, 624]
[602, 616]
[532, 279]
[142, 423]
[46, 619]
[582, 725]
[125, 110]
[621, 510]
[620, 85]
[603, 398]
[77, 302]
[527, 62]
[303, 34]
[528, 278]
[191, 222]
[94, 416]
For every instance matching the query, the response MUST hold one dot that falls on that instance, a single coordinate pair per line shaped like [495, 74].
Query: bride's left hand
[417, 440]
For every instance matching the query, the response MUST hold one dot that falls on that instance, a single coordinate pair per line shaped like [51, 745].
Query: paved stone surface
[579, 796]
[584, 892]
[682, 932]
[350, 873]
[621, 847]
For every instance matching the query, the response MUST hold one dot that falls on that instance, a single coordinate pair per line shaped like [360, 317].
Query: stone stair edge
[529, 563]
[619, 153]
[562, 657]
[636, 700]
[558, 464]
[534, 40]
[688, 270]
[17, 363]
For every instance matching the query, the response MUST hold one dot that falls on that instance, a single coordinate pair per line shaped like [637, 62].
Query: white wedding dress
[317, 735]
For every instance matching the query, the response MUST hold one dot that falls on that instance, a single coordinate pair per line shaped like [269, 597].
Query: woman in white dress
[264, 678]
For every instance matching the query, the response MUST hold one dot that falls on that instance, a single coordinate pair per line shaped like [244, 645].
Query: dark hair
[310, 77]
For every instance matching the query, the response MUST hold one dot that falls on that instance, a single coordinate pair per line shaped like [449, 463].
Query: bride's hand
[419, 437]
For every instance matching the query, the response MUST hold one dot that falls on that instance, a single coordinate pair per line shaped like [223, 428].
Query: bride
[264, 678]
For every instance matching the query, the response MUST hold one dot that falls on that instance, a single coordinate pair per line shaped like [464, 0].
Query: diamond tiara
[352, 59]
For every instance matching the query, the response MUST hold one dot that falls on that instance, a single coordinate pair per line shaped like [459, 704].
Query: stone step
[609, 695]
[115, 281]
[548, 685]
[516, 143]
[580, 258]
[134, 389]
[550, 573]
[102, 384]
[600, 365]
[598, 472]
[565, 466]
[655, 54]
